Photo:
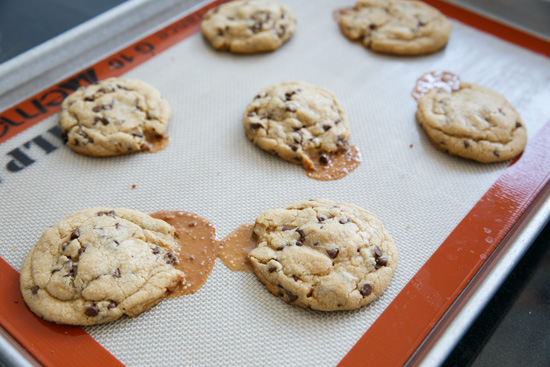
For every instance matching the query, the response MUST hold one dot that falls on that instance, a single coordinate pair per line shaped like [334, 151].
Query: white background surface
[210, 168]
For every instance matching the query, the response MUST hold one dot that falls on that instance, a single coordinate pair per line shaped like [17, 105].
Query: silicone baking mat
[447, 215]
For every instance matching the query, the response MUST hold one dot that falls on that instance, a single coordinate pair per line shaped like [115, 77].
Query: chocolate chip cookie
[98, 264]
[116, 116]
[248, 26]
[399, 27]
[323, 254]
[472, 122]
[297, 121]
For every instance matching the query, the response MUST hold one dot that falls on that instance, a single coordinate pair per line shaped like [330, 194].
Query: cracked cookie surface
[98, 264]
[396, 26]
[472, 122]
[323, 254]
[248, 26]
[116, 116]
[297, 121]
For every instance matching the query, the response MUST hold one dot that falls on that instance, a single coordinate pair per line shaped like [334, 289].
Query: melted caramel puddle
[197, 248]
[234, 248]
[442, 80]
[336, 166]
[156, 143]
[337, 13]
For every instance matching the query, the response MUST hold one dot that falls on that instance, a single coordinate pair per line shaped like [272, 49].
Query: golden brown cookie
[116, 116]
[297, 121]
[248, 26]
[472, 122]
[99, 264]
[323, 254]
[399, 27]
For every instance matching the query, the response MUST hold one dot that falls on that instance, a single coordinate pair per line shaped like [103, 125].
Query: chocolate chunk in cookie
[340, 263]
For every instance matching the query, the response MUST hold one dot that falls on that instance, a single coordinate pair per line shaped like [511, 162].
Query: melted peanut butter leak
[197, 248]
[442, 80]
[328, 167]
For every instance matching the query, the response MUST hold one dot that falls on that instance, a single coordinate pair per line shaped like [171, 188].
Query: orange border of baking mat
[395, 329]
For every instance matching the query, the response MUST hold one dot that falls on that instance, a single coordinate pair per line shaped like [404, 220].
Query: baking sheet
[211, 169]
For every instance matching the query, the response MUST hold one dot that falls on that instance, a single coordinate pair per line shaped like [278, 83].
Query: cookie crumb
[133, 186]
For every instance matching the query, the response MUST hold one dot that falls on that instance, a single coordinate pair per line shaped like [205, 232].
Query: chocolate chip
[466, 144]
[344, 220]
[299, 243]
[301, 233]
[101, 90]
[55, 270]
[339, 140]
[381, 261]
[295, 278]
[220, 32]
[421, 23]
[255, 125]
[317, 243]
[280, 248]
[111, 306]
[300, 137]
[291, 297]
[64, 246]
[332, 253]
[170, 258]
[377, 251]
[96, 109]
[337, 121]
[92, 311]
[156, 250]
[35, 289]
[372, 26]
[137, 134]
[111, 213]
[294, 147]
[288, 96]
[81, 250]
[366, 289]
[271, 269]
[501, 112]
[89, 98]
[327, 127]
[117, 243]
[75, 234]
[496, 153]
[518, 124]
[117, 226]
[192, 224]
[286, 228]
[251, 114]
[106, 107]
[116, 273]
[290, 109]
[323, 159]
